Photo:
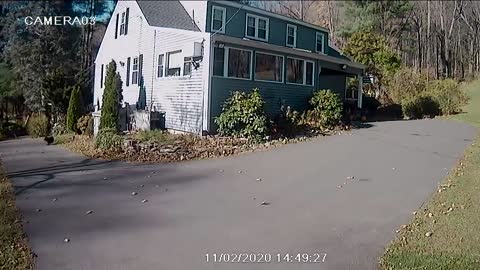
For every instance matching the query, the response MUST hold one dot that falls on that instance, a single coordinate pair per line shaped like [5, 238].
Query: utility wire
[224, 27]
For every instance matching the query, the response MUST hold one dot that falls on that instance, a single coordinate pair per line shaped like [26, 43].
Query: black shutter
[116, 27]
[126, 21]
[140, 69]
[128, 71]
[101, 78]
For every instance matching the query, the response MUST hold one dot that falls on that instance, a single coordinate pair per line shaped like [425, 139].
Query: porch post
[360, 87]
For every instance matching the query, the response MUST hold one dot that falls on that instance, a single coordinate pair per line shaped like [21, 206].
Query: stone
[265, 203]
[428, 234]
[89, 212]
[66, 240]
[259, 179]
[144, 201]
[134, 193]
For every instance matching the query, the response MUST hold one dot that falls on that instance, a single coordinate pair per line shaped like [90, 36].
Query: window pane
[262, 24]
[218, 63]
[319, 43]
[268, 67]
[262, 33]
[291, 31]
[187, 68]
[251, 31]
[309, 75]
[294, 71]
[290, 40]
[217, 14]
[239, 63]
[251, 21]
[217, 24]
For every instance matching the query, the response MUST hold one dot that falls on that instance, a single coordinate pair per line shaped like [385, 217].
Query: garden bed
[158, 146]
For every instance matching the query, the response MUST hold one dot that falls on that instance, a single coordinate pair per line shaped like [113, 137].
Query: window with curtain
[239, 63]
[268, 67]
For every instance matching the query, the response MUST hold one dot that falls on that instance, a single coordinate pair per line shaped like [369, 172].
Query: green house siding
[306, 36]
[275, 94]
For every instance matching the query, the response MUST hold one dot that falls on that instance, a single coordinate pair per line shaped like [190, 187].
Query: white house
[183, 58]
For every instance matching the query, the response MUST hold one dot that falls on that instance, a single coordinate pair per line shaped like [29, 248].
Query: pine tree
[74, 109]
[111, 98]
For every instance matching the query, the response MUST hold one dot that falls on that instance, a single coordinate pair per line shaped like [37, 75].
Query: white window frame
[123, 16]
[224, 12]
[304, 72]
[257, 18]
[283, 67]
[323, 42]
[294, 45]
[135, 71]
[167, 64]
[161, 65]
[225, 64]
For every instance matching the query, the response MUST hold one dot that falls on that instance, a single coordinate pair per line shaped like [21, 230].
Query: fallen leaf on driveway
[66, 240]
[259, 179]
[144, 201]
[134, 193]
[89, 212]
[38, 210]
[105, 178]
[428, 234]
[265, 203]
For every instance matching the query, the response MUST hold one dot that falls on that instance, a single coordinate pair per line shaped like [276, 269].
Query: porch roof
[330, 62]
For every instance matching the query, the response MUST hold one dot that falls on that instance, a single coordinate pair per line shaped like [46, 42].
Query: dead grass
[14, 250]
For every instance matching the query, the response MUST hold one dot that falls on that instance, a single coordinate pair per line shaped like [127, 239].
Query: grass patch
[14, 251]
[452, 216]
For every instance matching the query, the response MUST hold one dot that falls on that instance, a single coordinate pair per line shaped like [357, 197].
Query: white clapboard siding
[182, 98]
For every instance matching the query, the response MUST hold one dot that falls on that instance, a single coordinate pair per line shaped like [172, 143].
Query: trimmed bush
[243, 116]
[37, 125]
[420, 106]
[74, 109]
[111, 98]
[448, 95]
[326, 111]
[108, 140]
[85, 125]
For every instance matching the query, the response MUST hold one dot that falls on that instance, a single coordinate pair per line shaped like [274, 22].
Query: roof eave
[292, 51]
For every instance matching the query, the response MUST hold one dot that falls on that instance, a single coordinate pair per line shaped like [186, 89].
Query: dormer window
[218, 19]
[320, 41]
[257, 27]
[291, 36]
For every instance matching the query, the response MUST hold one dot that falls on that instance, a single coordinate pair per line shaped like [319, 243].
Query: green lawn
[445, 234]
[14, 251]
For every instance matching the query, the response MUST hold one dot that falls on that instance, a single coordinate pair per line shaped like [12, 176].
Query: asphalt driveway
[215, 206]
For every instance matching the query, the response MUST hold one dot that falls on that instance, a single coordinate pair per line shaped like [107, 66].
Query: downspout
[153, 67]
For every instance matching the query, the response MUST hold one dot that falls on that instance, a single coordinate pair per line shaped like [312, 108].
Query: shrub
[420, 106]
[111, 98]
[370, 104]
[85, 125]
[448, 95]
[243, 116]
[64, 138]
[74, 109]
[405, 84]
[326, 109]
[37, 125]
[287, 122]
[108, 139]
[11, 130]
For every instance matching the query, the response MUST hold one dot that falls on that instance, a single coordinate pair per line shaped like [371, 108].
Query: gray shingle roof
[170, 14]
